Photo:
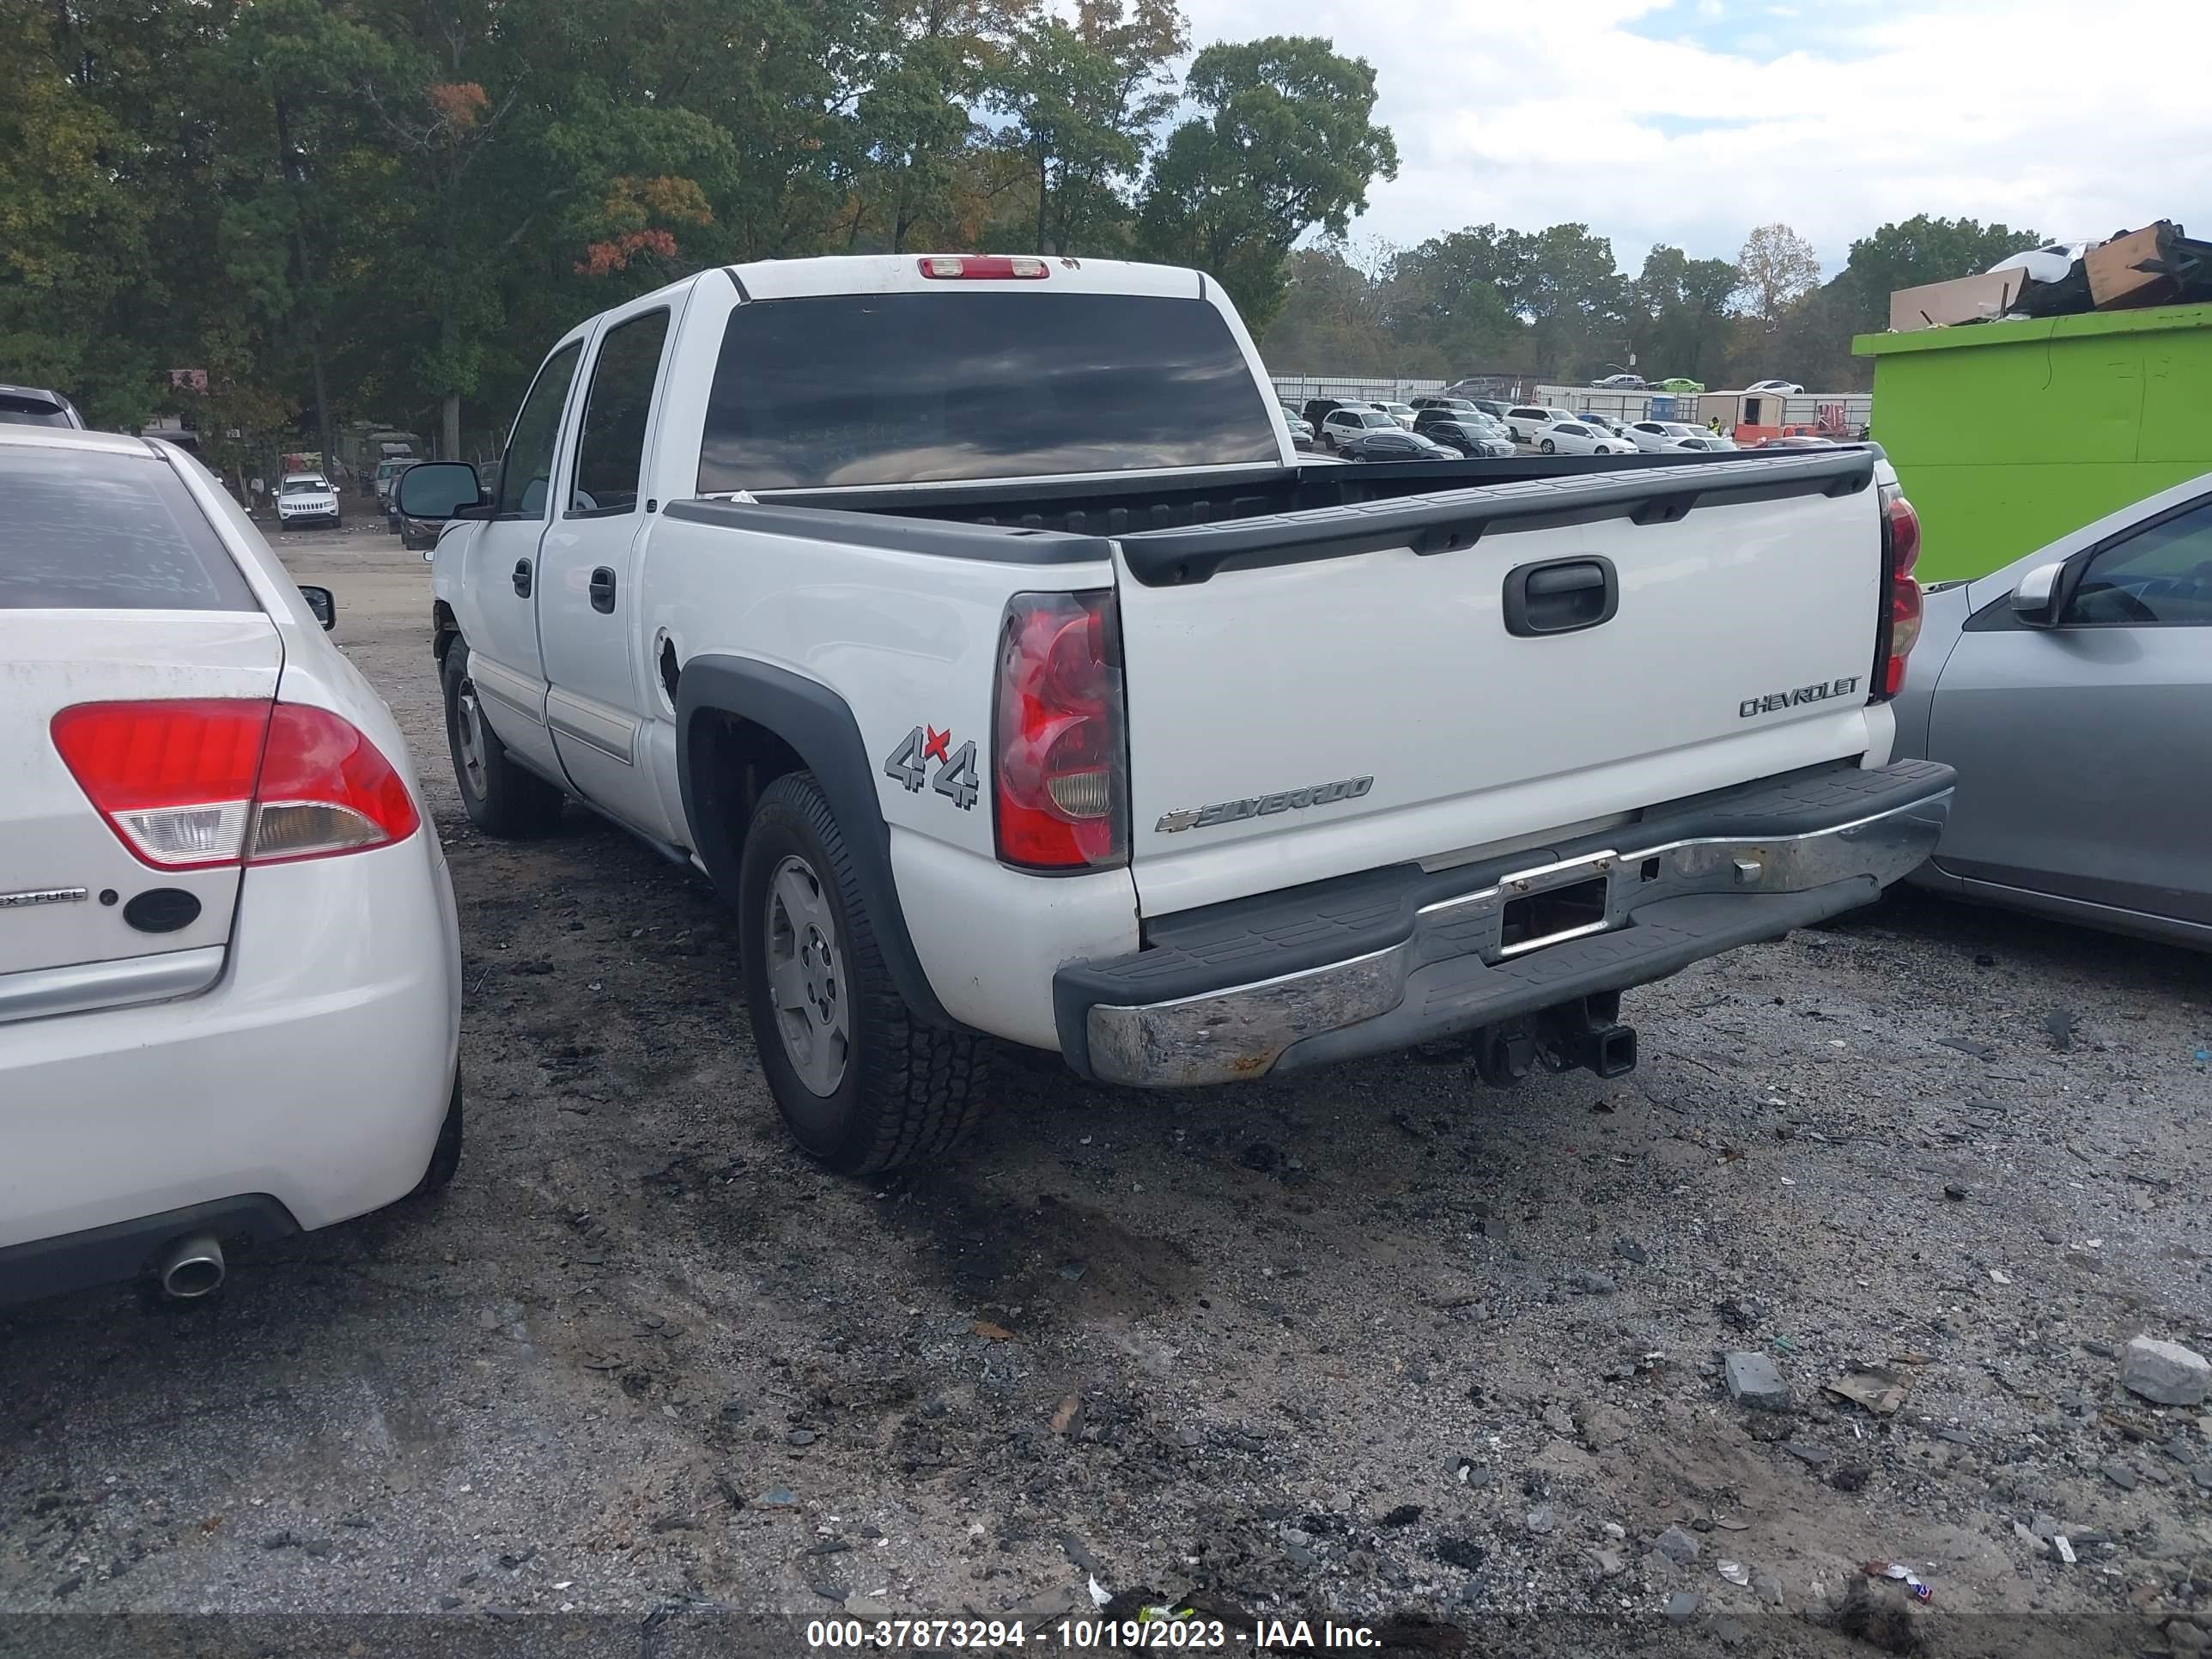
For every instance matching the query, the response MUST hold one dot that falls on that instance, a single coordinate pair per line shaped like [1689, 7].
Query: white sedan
[1787, 388]
[1401, 413]
[229, 965]
[1580, 438]
[1651, 436]
[306, 498]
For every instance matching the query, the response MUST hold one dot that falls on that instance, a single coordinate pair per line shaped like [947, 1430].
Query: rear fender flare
[819, 726]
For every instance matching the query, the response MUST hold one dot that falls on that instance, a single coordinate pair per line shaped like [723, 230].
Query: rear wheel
[862, 1083]
[500, 797]
[445, 1156]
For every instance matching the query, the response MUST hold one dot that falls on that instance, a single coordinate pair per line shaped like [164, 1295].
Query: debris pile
[2157, 265]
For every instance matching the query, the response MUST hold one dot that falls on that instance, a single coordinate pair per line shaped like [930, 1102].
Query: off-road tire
[909, 1089]
[500, 797]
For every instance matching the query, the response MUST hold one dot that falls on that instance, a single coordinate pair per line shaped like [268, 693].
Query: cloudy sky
[1689, 121]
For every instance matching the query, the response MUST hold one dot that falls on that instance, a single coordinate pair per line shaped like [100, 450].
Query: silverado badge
[1260, 807]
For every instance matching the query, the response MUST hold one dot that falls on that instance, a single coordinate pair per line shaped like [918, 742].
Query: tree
[1283, 143]
[1084, 98]
[1920, 250]
[1572, 293]
[1677, 312]
[1778, 267]
[1452, 301]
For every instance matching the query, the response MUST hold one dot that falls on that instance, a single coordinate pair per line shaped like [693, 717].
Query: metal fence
[1295, 389]
[1845, 411]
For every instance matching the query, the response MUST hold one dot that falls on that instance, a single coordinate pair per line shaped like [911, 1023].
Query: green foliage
[1285, 143]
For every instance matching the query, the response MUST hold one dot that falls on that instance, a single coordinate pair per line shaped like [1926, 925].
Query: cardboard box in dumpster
[1963, 299]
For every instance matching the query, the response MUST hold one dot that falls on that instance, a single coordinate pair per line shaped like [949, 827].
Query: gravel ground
[1374, 1343]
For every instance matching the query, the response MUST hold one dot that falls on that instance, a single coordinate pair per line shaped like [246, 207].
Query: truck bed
[1172, 534]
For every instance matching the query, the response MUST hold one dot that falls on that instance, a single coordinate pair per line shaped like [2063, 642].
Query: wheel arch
[740, 724]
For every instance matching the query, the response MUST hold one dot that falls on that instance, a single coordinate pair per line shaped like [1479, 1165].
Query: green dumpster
[2007, 436]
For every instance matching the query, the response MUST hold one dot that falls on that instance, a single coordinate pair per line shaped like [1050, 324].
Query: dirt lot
[1374, 1343]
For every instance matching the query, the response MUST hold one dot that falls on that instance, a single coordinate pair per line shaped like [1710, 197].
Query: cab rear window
[106, 530]
[906, 388]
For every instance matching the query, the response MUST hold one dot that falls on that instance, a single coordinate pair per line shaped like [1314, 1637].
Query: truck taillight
[1060, 784]
[1901, 602]
[982, 267]
[191, 782]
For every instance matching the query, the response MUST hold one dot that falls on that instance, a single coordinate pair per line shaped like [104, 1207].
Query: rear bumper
[314, 1072]
[126, 1250]
[1380, 961]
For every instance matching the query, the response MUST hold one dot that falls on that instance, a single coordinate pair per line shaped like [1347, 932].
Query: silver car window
[2159, 576]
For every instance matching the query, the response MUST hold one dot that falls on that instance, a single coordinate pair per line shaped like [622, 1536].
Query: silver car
[2072, 689]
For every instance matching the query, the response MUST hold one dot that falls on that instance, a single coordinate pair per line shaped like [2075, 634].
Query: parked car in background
[1606, 422]
[387, 469]
[1621, 382]
[1205, 784]
[1428, 400]
[1301, 431]
[229, 967]
[1525, 420]
[306, 498]
[27, 405]
[1787, 388]
[1798, 440]
[1401, 413]
[1580, 438]
[1341, 425]
[1677, 385]
[1316, 410]
[1395, 444]
[2072, 690]
[1653, 436]
[1470, 433]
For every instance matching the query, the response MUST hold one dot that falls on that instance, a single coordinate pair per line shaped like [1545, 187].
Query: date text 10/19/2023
[1082, 1634]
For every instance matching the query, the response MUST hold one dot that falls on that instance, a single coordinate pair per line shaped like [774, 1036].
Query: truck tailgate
[1315, 693]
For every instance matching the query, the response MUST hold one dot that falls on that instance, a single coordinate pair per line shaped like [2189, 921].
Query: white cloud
[2045, 113]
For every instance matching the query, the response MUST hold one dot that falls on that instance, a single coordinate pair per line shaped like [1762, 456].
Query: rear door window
[611, 449]
[904, 388]
[107, 530]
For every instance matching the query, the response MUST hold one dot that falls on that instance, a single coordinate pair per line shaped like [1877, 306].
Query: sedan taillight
[192, 782]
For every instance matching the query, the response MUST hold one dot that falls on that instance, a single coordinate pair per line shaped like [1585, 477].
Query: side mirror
[323, 602]
[2035, 601]
[438, 490]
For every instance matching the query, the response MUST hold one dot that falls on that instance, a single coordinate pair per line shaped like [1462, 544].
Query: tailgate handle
[603, 590]
[1560, 596]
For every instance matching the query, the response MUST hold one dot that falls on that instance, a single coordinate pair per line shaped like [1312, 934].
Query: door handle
[603, 591]
[1560, 596]
[522, 579]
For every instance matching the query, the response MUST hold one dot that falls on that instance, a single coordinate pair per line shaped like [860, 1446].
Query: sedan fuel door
[2078, 716]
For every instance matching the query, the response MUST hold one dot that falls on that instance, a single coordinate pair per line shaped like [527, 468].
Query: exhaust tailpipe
[192, 1267]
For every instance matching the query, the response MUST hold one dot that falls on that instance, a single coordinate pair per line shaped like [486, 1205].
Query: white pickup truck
[972, 624]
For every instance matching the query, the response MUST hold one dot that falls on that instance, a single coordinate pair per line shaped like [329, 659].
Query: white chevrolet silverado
[972, 624]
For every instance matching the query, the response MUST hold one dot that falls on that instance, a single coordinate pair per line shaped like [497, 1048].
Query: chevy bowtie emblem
[41, 895]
